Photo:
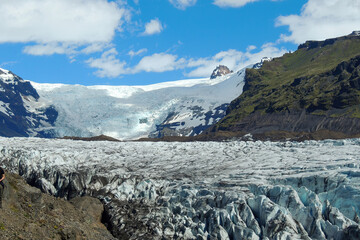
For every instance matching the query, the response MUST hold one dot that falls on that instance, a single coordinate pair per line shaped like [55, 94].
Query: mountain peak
[220, 70]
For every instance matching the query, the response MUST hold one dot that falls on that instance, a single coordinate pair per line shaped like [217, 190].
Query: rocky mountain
[219, 71]
[22, 111]
[313, 92]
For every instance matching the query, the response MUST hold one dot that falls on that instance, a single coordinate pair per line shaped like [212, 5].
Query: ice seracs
[203, 190]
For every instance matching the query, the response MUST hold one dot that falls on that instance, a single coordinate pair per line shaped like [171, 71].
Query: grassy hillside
[320, 78]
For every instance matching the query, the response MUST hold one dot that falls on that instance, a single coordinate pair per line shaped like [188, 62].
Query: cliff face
[315, 88]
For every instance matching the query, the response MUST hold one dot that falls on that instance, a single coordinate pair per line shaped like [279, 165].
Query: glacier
[203, 190]
[184, 107]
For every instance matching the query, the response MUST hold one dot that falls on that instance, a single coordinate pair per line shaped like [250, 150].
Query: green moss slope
[321, 78]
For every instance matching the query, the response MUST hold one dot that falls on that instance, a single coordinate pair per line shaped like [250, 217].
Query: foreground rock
[29, 214]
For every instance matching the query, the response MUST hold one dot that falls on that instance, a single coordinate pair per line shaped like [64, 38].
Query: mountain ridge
[315, 88]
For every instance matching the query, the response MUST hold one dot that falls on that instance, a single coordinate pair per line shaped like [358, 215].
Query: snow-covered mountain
[185, 107]
[22, 111]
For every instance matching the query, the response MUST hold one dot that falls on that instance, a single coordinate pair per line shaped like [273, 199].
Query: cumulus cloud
[108, 65]
[153, 27]
[233, 59]
[232, 3]
[159, 62]
[50, 49]
[321, 19]
[183, 4]
[132, 53]
[58, 25]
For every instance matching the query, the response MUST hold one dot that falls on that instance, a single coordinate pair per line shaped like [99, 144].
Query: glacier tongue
[130, 112]
[203, 190]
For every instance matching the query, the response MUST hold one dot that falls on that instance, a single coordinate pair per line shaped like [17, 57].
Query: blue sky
[139, 42]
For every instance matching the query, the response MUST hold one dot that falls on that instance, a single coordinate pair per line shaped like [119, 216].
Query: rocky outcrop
[22, 112]
[29, 214]
[219, 71]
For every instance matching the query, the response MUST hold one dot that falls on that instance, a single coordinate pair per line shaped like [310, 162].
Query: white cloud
[250, 48]
[233, 59]
[56, 24]
[96, 47]
[153, 27]
[49, 49]
[232, 3]
[108, 65]
[182, 4]
[159, 62]
[132, 53]
[321, 19]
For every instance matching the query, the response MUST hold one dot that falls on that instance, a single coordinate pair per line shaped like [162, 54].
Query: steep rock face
[219, 71]
[315, 88]
[251, 190]
[22, 112]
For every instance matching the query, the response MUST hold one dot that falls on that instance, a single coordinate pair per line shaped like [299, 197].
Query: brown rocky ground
[29, 214]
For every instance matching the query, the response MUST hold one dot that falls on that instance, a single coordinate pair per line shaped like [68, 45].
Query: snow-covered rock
[203, 190]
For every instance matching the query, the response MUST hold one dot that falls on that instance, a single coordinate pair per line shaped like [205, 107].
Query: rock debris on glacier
[203, 190]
